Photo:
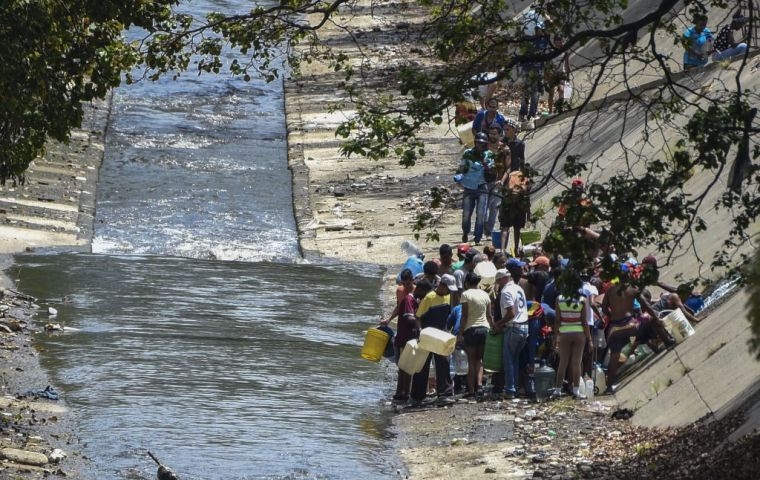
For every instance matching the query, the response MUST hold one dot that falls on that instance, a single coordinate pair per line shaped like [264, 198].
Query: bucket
[465, 135]
[437, 341]
[678, 325]
[492, 355]
[374, 344]
[496, 239]
[413, 357]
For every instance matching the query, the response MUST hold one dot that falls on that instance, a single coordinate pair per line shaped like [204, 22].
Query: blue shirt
[472, 169]
[477, 123]
[699, 42]
[455, 318]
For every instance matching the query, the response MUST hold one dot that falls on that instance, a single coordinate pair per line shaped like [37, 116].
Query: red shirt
[407, 326]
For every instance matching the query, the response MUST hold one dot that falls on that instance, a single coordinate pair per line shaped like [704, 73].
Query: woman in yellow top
[571, 334]
[476, 320]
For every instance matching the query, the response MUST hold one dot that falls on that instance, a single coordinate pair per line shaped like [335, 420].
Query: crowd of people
[523, 303]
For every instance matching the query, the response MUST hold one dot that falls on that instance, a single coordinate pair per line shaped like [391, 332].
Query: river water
[201, 335]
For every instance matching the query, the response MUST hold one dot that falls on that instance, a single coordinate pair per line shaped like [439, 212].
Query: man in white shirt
[514, 319]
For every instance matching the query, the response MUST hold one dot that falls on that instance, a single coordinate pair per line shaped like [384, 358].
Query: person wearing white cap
[514, 312]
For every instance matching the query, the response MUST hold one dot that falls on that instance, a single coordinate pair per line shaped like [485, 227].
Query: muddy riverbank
[37, 437]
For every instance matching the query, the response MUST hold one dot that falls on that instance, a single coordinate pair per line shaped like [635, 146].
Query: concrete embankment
[53, 207]
[356, 209]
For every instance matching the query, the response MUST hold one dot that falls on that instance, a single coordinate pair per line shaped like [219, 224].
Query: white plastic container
[412, 358]
[581, 387]
[589, 388]
[678, 325]
[465, 135]
[437, 341]
[459, 362]
[600, 380]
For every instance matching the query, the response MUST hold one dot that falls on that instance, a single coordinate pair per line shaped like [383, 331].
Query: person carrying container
[434, 311]
[408, 328]
[471, 175]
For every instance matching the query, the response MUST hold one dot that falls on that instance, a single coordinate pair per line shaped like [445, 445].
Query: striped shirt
[570, 316]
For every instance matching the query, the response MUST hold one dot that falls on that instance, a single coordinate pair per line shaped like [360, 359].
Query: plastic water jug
[465, 135]
[545, 378]
[678, 325]
[589, 388]
[374, 344]
[437, 341]
[581, 387]
[600, 380]
[459, 362]
[413, 357]
[492, 355]
[413, 263]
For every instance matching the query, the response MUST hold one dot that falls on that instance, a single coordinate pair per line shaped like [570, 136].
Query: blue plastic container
[414, 264]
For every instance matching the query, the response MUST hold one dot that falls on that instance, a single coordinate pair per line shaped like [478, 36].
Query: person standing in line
[495, 176]
[488, 117]
[434, 311]
[572, 335]
[408, 328]
[698, 43]
[446, 259]
[476, 320]
[514, 322]
[402, 290]
[475, 162]
[725, 45]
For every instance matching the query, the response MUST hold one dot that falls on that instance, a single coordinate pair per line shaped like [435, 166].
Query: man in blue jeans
[471, 175]
[514, 317]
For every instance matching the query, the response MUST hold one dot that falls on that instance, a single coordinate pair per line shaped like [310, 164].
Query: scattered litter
[49, 393]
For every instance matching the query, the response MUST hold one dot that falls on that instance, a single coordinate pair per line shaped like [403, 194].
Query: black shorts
[514, 211]
[475, 336]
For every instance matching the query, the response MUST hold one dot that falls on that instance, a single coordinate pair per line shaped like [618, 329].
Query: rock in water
[165, 473]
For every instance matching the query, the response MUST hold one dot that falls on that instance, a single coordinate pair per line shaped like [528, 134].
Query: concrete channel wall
[55, 206]
[359, 210]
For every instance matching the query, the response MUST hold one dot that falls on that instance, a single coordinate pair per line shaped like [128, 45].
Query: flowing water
[201, 335]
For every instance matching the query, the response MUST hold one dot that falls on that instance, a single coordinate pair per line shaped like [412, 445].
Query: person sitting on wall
[725, 45]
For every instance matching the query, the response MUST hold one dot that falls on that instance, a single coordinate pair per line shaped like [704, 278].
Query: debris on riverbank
[35, 433]
[567, 439]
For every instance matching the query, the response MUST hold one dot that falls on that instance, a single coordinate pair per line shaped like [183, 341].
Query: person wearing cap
[501, 279]
[725, 45]
[475, 323]
[515, 145]
[697, 41]
[433, 311]
[514, 322]
[475, 162]
[462, 249]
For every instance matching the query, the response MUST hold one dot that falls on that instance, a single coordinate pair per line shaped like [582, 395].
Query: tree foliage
[58, 54]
